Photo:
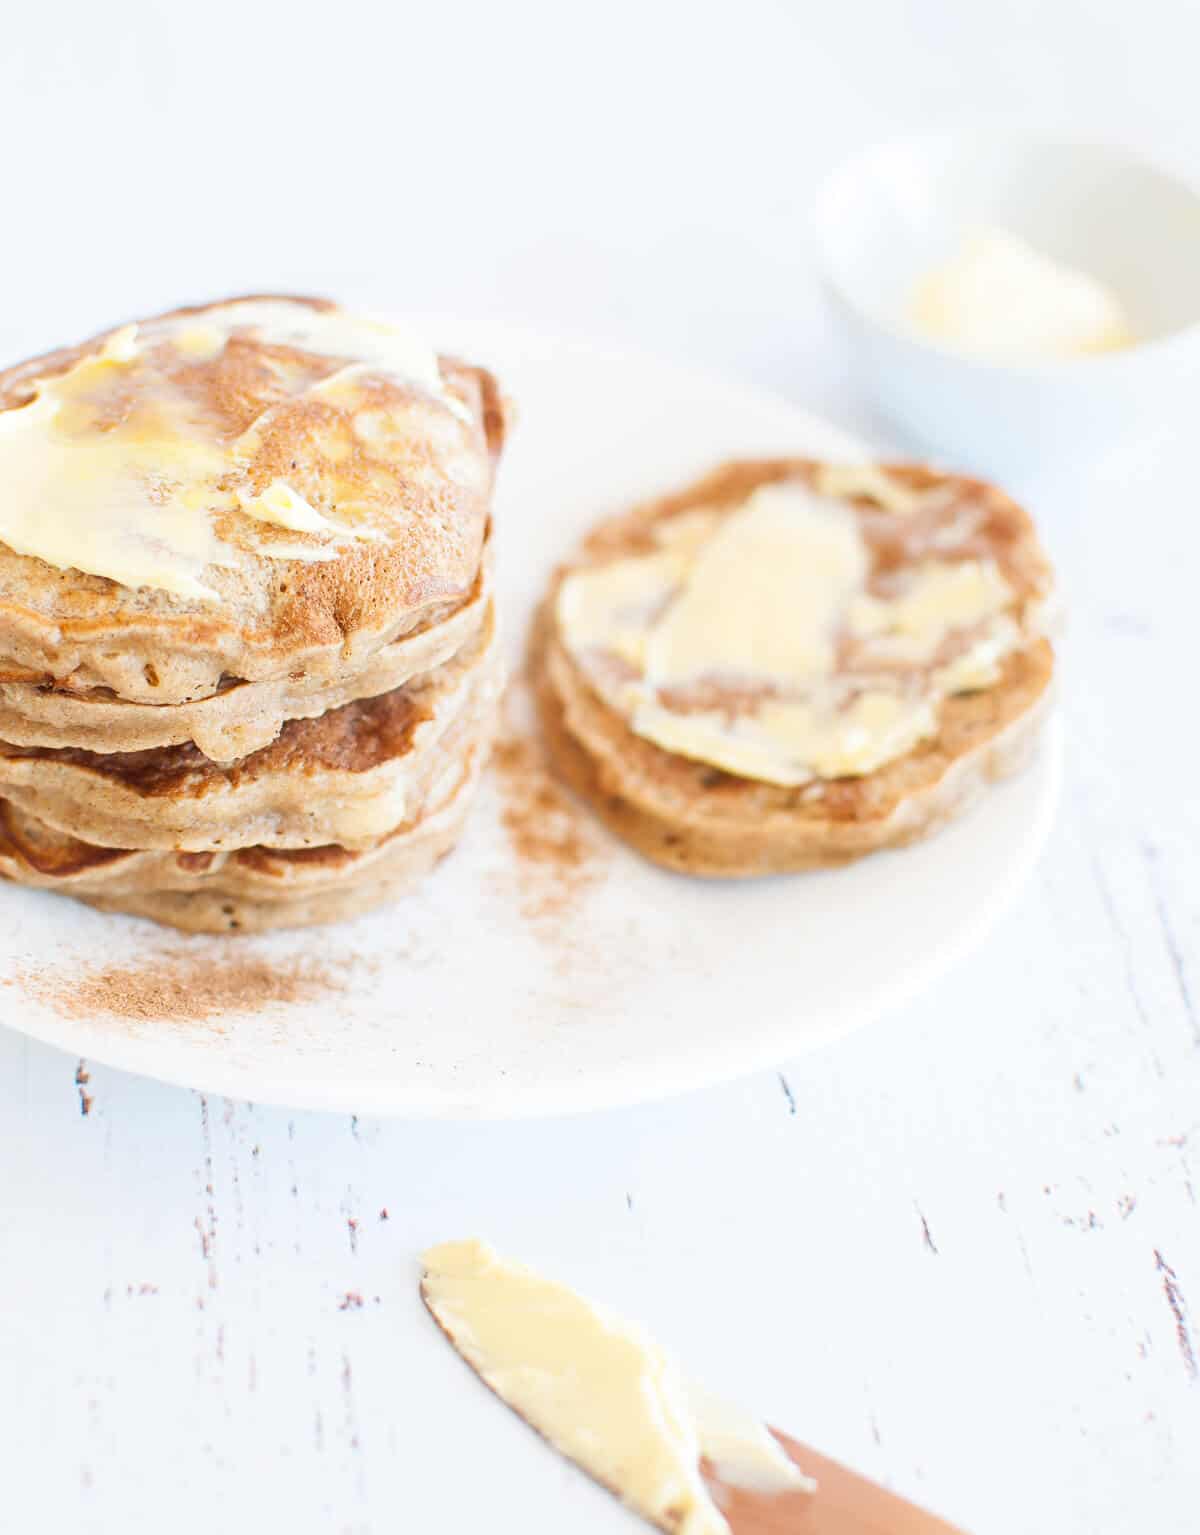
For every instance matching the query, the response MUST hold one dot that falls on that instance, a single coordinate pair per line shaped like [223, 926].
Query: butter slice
[788, 742]
[116, 503]
[610, 606]
[121, 345]
[979, 665]
[199, 342]
[763, 594]
[873, 728]
[598, 1389]
[280, 505]
[999, 297]
[936, 597]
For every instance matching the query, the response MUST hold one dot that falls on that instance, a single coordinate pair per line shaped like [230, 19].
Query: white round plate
[466, 999]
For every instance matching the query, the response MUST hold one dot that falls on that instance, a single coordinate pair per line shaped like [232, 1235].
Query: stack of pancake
[248, 676]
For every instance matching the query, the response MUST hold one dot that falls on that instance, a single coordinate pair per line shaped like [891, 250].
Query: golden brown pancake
[249, 890]
[697, 818]
[240, 717]
[347, 776]
[406, 469]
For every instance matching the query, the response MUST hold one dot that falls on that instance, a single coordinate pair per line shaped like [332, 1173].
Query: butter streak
[601, 1391]
[119, 503]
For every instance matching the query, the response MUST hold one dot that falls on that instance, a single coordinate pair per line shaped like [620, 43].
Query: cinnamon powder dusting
[555, 847]
[184, 986]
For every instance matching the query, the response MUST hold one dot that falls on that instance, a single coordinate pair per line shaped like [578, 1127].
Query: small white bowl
[891, 213]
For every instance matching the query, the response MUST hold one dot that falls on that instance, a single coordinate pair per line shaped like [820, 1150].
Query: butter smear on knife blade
[599, 1390]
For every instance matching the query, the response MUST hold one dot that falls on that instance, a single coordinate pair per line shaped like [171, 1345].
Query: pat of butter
[789, 742]
[199, 342]
[611, 607]
[999, 297]
[762, 593]
[116, 502]
[936, 597]
[281, 506]
[599, 1390]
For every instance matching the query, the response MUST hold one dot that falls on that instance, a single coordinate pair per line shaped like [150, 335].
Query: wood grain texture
[844, 1503]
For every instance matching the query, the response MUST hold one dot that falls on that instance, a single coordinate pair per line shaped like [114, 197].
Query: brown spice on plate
[554, 843]
[184, 986]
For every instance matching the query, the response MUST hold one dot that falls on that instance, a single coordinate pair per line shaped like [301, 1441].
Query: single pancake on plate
[790, 664]
[246, 611]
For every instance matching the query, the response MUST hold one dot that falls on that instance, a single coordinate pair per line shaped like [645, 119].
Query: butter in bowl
[1011, 301]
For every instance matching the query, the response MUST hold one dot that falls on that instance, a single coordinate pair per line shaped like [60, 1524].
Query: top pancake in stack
[217, 521]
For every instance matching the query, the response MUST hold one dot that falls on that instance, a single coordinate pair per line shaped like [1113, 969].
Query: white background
[960, 1250]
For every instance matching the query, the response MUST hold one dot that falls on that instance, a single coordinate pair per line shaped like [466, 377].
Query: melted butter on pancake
[763, 594]
[279, 505]
[936, 597]
[770, 647]
[128, 465]
[363, 342]
[612, 609]
[199, 341]
[790, 742]
[871, 481]
[116, 500]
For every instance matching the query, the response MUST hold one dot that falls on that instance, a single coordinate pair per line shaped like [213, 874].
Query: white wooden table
[960, 1250]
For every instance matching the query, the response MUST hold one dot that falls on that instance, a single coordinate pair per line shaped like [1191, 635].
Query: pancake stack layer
[248, 676]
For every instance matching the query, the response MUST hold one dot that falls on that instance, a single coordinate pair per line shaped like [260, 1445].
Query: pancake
[695, 817]
[240, 717]
[292, 490]
[250, 889]
[347, 776]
